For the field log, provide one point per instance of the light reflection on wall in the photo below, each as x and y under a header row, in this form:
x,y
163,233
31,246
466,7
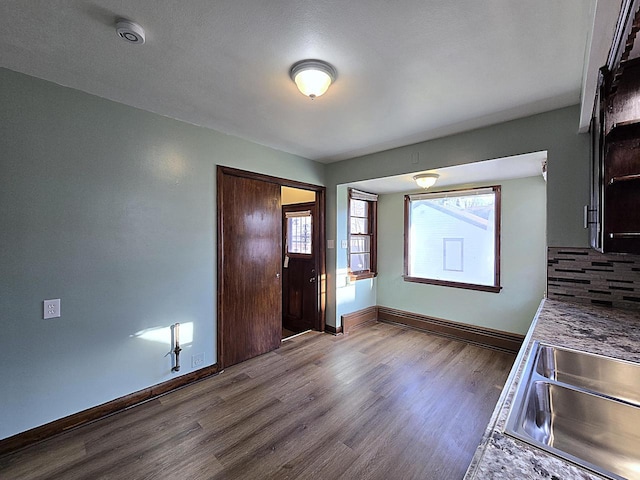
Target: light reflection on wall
x,y
346,290
166,163
164,334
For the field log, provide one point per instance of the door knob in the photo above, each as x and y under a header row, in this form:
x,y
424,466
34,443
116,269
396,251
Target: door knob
x,y
312,279
277,275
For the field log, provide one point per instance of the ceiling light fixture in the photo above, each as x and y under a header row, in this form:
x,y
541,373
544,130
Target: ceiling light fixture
x,y
313,77
426,180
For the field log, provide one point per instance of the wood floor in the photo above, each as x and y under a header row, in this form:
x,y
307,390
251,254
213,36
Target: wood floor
x,y
384,402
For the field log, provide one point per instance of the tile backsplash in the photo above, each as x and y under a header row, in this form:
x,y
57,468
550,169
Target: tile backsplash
x,y
583,275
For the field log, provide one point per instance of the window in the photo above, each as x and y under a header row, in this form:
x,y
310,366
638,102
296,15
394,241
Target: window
x,y
453,238
362,234
299,232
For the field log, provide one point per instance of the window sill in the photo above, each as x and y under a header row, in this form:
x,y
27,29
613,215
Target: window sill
x,y
445,283
362,276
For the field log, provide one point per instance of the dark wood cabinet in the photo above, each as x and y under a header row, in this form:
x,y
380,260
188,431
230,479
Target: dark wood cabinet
x,y
622,188
614,214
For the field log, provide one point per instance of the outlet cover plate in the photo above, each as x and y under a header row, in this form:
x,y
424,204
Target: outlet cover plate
x,y
51,308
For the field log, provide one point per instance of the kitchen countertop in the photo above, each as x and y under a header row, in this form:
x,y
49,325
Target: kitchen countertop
x,y
605,331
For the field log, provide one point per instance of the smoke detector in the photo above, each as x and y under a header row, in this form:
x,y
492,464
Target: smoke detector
x,y
130,31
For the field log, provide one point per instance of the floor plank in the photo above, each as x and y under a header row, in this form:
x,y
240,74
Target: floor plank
x,y
382,402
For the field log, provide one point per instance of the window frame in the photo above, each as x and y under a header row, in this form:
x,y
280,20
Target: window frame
x,y
307,213
496,287
372,200
297,207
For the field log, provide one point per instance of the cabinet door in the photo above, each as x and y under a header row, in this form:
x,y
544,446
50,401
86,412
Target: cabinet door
x,y
621,174
595,217
622,194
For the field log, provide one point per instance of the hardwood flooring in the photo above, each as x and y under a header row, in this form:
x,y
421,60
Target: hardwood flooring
x,y
383,402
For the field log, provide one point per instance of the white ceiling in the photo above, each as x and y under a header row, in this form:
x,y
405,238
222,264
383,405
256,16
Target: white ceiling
x,y
496,170
408,70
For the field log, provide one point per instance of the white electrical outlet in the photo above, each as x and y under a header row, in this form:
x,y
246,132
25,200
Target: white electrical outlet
x,y
197,360
51,308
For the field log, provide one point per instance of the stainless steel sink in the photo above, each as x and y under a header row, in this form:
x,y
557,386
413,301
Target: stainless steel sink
x,y
598,374
565,405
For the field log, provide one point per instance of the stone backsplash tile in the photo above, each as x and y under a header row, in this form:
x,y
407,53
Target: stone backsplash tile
x,y
583,275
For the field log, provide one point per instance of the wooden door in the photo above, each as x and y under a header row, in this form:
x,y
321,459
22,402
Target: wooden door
x,y
299,278
249,263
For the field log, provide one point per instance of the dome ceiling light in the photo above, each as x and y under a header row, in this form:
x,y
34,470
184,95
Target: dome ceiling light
x,y
426,180
313,77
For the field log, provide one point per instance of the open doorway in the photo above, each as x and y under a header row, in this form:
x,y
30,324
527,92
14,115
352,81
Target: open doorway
x,y
299,261
250,262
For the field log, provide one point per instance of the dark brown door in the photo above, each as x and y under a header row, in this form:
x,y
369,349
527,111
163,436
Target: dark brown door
x,y
249,259
299,285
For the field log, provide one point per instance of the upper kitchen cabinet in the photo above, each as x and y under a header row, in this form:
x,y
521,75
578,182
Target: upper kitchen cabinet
x,y
615,130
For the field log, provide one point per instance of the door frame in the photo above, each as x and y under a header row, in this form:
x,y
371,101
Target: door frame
x,y
318,245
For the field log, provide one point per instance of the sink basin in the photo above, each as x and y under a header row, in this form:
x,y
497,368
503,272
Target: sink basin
x,y
594,431
565,405
596,373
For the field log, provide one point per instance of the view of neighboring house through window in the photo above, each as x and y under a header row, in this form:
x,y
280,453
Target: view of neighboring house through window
x,y
453,238
362,234
299,232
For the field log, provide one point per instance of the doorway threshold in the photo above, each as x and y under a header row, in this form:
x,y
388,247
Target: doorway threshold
x,y
295,335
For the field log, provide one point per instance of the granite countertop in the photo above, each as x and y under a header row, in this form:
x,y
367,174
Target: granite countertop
x,y
605,331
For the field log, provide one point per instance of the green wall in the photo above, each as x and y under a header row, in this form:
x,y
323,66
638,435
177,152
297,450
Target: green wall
x,y
567,187
351,296
523,263
112,210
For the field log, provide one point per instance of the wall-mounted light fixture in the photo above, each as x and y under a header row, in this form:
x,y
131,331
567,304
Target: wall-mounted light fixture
x,y
313,77
426,180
